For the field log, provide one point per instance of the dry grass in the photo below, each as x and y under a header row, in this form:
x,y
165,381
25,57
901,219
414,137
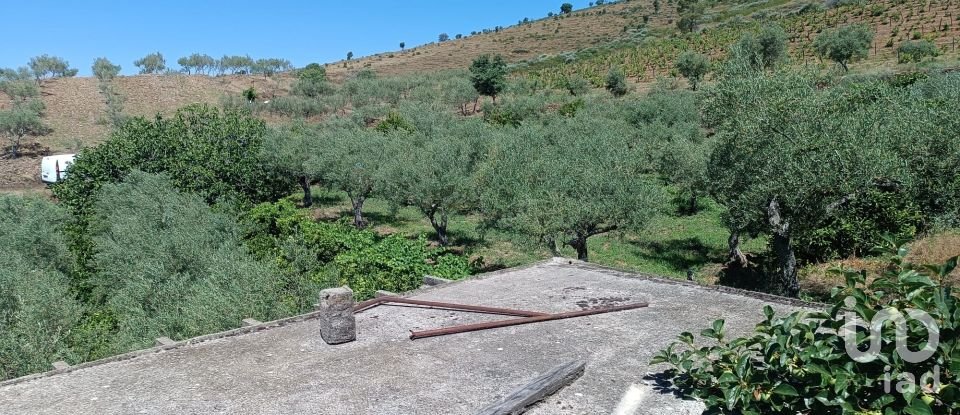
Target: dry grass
x,y
580,29
933,249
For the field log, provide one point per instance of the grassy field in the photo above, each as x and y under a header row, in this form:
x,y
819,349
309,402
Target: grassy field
x,y
669,246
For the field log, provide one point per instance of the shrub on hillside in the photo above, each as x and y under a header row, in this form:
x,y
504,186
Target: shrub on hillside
x,y
916,51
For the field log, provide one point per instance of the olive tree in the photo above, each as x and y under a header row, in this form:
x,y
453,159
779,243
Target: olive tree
x,y
566,8
350,160
105,70
288,149
565,181
18,84
44,66
616,82
763,50
151,64
693,66
844,45
22,120
788,155
489,75
434,173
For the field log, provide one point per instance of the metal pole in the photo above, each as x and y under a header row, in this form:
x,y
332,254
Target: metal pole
x,y
514,322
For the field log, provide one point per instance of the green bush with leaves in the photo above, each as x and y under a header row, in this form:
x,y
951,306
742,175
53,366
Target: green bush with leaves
x,y
37,309
213,153
802,362
916,51
332,254
170,265
844,45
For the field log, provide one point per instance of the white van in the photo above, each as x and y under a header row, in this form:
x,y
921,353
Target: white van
x,y
54,168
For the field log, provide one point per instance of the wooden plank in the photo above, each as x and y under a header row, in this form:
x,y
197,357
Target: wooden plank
x,y
544,385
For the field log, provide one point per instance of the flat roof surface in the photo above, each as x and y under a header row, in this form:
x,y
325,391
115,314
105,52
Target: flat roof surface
x,y
288,369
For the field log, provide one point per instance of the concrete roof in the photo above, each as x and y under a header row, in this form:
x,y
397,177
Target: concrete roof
x,y
285,367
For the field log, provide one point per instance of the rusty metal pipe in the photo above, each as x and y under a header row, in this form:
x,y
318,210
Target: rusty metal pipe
x,y
373,302
464,307
517,321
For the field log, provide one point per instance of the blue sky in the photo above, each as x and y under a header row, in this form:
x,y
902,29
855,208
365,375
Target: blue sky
x,y
300,31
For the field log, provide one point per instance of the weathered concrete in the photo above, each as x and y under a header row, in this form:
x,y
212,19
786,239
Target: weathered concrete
x,y
432,280
164,341
337,322
247,322
289,369
60,365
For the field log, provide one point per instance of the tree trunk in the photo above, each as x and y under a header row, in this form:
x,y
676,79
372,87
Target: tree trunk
x,y
736,256
552,245
580,244
440,226
307,195
358,212
784,251
693,203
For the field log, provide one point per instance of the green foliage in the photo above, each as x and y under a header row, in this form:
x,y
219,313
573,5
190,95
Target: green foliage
x,y
616,82
916,51
335,254
170,266
576,85
565,181
693,66
151,64
434,173
235,64
37,309
570,109
105,70
270,66
198,63
489,75
855,227
763,50
22,120
799,363
845,44
351,160
312,81
203,150
44,66
394,122
566,8
786,151
250,94
18,84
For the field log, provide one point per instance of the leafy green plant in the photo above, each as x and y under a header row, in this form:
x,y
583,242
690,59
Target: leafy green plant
x,y
802,362
916,51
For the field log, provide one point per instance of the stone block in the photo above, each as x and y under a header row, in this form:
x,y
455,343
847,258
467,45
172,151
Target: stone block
x,y
337,322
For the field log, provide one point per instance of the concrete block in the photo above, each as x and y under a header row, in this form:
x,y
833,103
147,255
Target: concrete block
x,y
60,365
337,322
247,322
434,280
164,341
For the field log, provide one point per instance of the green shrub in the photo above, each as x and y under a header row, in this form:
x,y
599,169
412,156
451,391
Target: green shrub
x,y
296,106
37,309
570,109
916,51
799,363
168,265
860,224
333,254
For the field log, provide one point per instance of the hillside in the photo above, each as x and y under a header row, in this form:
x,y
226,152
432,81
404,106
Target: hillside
x,y
629,34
